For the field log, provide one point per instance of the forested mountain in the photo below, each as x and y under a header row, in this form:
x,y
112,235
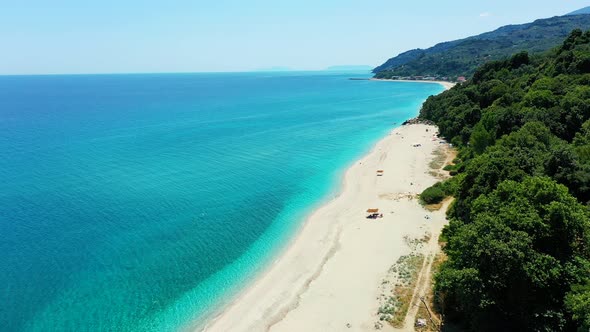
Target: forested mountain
x,y
462,57
518,241
585,10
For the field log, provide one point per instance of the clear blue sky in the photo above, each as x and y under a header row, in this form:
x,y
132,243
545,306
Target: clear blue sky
x,y
113,36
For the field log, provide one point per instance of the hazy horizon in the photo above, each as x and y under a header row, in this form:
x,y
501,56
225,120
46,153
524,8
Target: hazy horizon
x,y
67,37
261,70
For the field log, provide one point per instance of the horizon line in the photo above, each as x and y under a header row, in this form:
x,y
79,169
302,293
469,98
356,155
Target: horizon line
x,y
327,69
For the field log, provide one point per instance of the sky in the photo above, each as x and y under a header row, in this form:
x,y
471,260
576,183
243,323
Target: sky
x,y
132,36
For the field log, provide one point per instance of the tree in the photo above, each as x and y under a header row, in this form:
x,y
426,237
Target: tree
x,y
511,267
480,138
517,242
578,302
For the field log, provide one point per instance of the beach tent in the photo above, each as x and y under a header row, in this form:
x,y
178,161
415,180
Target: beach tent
x,y
374,214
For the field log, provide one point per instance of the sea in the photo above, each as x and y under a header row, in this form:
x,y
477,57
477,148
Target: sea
x,y
146,202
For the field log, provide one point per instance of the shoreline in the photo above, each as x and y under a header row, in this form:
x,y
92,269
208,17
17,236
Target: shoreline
x,y
447,85
284,288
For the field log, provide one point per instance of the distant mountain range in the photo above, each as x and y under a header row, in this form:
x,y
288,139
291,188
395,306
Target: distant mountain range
x,y
461,57
275,68
350,68
585,10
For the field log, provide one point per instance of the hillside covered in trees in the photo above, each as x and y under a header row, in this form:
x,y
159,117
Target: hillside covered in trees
x,y
462,57
585,10
518,240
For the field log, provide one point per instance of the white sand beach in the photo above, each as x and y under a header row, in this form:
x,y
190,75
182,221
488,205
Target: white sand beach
x,y
329,278
447,85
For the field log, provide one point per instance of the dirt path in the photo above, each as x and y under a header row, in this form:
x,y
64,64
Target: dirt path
x,y
424,278
431,250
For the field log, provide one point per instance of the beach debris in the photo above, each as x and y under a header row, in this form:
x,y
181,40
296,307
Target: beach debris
x,y
398,196
348,325
378,325
421,322
380,172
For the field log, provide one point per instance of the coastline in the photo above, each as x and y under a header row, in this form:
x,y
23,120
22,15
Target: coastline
x,y
445,84
316,283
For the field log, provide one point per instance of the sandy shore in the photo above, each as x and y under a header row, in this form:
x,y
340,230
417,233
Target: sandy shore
x,y
445,84
329,278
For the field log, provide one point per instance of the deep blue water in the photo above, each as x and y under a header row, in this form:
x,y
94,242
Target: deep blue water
x,y
140,202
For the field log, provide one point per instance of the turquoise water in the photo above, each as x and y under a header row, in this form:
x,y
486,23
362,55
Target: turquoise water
x,y
140,202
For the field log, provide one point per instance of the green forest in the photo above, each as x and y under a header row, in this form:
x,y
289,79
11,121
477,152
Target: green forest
x,y
518,239
462,57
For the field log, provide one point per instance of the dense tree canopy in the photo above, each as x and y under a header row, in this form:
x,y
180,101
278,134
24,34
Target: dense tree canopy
x,y
512,265
518,241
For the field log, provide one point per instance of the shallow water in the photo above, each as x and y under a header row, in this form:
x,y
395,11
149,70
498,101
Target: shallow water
x,y
140,202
